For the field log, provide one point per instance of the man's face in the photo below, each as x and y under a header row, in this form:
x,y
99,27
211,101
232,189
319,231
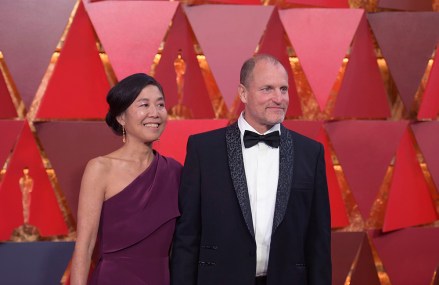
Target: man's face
x,y
266,96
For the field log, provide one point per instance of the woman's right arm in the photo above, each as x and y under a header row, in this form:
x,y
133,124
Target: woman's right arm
x,y
91,197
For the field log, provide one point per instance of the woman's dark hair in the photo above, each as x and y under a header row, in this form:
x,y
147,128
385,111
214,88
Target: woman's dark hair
x,y
123,94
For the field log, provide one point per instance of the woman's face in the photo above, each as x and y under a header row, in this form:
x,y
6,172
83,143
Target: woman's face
x,y
145,119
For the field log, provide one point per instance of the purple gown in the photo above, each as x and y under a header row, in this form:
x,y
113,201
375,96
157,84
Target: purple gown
x,y
136,228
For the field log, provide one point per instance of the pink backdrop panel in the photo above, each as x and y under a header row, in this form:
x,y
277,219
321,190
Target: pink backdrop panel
x,y
7,108
314,130
409,201
69,146
409,256
321,39
407,5
430,101
29,33
362,93
275,43
427,137
174,139
195,94
406,49
344,248
365,150
10,129
322,3
78,85
131,31
44,210
228,35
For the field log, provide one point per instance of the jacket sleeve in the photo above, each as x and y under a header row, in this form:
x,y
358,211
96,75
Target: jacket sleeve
x,y
185,249
318,244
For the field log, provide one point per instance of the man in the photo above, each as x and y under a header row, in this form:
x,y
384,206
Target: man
x,y
254,212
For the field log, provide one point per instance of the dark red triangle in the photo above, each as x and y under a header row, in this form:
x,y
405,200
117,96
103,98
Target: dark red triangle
x,y
174,139
430,100
427,137
7,108
405,49
69,146
228,35
409,256
362,93
321,39
365,272
344,247
322,3
409,201
275,43
79,85
407,5
29,33
314,130
195,94
365,150
131,31
45,212
10,129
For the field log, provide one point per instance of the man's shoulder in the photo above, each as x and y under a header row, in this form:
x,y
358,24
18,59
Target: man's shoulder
x,y
209,135
302,139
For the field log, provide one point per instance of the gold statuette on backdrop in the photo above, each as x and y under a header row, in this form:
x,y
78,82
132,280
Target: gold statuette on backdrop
x,y
180,111
26,232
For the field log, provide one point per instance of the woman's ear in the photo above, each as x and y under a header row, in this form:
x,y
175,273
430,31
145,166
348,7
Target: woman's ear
x,y
121,119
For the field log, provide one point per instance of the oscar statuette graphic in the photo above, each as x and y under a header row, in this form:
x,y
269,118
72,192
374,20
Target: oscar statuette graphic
x,y
180,111
26,232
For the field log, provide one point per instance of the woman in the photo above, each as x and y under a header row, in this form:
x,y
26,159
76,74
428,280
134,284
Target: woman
x,y
128,198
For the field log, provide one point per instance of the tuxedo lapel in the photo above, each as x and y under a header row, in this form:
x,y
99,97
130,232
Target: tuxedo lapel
x,y
237,172
286,159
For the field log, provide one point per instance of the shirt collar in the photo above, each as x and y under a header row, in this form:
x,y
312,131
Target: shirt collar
x,y
244,126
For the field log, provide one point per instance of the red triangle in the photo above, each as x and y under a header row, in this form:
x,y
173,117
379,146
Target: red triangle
x,y
131,31
174,139
404,48
321,39
409,201
427,137
365,150
275,43
7,108
314,130
362,93
44,212
10,130
409,256
364,272
430,100
195,94
321,3
407,5
63,144
344,247
228,35
29,33
79,85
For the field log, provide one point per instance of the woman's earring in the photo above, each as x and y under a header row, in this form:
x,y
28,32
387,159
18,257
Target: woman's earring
x,y
124,135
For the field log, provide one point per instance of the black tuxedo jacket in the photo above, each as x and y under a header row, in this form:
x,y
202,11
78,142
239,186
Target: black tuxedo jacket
x,y
214,241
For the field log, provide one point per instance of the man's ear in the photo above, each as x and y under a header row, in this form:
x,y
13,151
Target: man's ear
x,y
242,91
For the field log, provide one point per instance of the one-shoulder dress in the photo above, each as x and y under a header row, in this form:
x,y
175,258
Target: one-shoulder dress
x,y
136,228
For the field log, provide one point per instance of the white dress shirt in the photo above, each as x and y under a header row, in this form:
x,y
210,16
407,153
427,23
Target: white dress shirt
x,y
261,164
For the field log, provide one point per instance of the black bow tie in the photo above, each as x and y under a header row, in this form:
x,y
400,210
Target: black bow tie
x,y
252,138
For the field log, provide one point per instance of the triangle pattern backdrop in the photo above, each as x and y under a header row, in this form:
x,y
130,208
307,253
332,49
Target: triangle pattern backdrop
x,y
363,82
